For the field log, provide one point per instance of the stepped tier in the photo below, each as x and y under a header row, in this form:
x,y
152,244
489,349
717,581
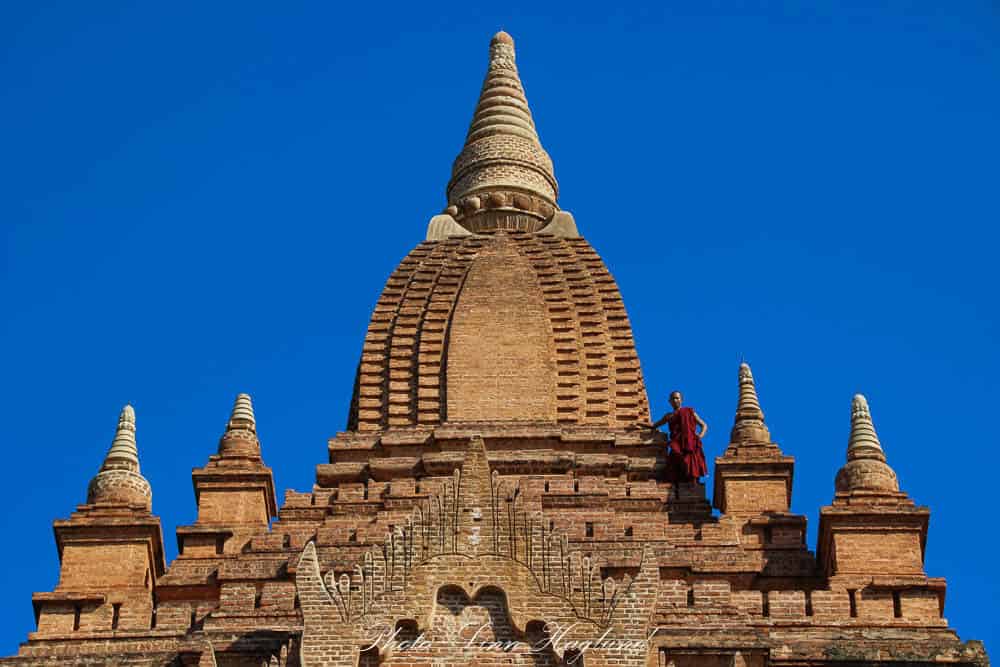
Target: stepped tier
x,y
492,501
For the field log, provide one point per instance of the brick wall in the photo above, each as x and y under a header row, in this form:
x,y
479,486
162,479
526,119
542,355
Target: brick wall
x,y
104,565
501,358
232,506
878,552
756,496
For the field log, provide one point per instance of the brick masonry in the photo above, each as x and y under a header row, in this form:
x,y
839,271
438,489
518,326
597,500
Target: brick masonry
x,y
497,527
492,501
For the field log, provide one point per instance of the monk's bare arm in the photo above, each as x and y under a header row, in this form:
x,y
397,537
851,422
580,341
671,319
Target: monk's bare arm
x,y
663,420
704,426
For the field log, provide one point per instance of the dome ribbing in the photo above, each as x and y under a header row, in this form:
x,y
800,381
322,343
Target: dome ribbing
x,y
502,178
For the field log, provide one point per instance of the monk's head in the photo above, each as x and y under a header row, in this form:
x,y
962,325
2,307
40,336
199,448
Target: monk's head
x,y
675,399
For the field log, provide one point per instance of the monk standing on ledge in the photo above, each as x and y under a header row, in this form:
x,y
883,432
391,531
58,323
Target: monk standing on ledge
x,y
686,457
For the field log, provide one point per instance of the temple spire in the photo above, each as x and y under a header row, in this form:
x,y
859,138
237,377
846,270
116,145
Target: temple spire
x,y
753,477
110,552
119,479
242,416
502,178
872,531
234,490
866,464
863,442
749,424
123,451
240,438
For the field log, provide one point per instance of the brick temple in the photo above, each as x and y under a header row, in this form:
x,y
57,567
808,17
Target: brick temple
x,y
494,498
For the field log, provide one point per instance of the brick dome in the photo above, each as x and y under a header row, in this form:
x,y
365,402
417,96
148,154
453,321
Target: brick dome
x,y
510,326
504,314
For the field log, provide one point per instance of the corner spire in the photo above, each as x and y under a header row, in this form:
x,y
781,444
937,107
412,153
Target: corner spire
x,y
866,465
749,424
123,451
502,178
872,530
240,438
753,476
242,416
863,442
119,479
234,490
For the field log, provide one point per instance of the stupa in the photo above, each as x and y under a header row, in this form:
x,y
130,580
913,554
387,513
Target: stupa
x,y
494,499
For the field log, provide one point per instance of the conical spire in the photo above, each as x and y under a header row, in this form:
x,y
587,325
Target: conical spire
x,y
242,417
235,488
866,466
863,442
748,406
503,178
749,424
746,476
119,479
240,438
123,452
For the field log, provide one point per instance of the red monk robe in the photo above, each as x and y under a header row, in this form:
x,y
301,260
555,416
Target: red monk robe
x,y
686,455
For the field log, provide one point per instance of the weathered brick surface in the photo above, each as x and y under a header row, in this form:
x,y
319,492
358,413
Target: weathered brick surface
x,y
491,495
756,495
873,551
501,362
557,329
239,506
103,566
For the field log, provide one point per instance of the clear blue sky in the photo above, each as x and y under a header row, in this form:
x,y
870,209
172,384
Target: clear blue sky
x,y
205,198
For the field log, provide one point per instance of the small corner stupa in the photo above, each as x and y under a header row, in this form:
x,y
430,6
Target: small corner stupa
x,y
110,551
873,533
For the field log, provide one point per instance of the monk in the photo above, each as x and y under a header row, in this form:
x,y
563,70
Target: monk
x,y
686,456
